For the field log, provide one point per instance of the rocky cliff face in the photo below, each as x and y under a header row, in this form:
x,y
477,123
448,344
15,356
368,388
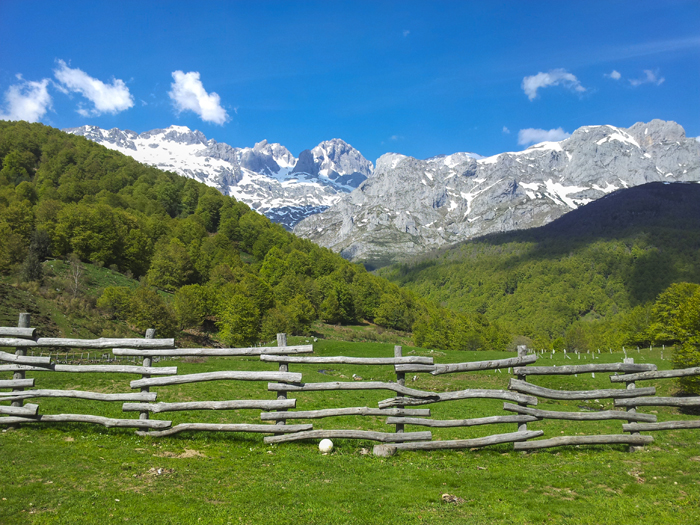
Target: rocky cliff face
x,y
267,176
410,206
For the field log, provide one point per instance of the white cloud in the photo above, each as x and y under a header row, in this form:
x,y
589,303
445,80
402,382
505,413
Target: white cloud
x,y
533,136
615,75
650,77
188,93
506,130
27,100
106,98
554,77
406,32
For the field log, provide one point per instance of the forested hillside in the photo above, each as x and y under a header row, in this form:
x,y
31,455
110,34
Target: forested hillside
x,y
200,257
590,279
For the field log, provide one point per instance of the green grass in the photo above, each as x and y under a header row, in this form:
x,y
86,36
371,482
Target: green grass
x,y
75,473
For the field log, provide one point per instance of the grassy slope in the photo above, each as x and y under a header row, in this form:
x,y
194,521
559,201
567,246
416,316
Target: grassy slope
x,y
75,473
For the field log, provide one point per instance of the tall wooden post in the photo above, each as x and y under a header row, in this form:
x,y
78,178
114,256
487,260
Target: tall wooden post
x,y
147,361
284,367
25,320
401,380
631,386
522,352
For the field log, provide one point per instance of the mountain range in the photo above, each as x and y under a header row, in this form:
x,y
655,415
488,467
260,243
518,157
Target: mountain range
x,y
267,176
412,206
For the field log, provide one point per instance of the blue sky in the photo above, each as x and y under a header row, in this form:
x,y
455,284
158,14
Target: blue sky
x,y
418,78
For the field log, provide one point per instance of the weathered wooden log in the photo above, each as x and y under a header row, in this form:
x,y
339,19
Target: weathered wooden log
x,y
24,359
582,369
413,368
450,423
84,418
579,416
343,360
349,385
217,376
663,425
213,427
101,343
610,439
15,383
216,352
384,437
352,411
495,439
20,333
259,404
90,369
693,401
27,410
78,394
483,365
657,374
460,394
548,393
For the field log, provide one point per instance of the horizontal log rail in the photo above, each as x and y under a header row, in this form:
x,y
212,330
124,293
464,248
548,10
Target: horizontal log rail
x,y
570,395
384,437
663,425
21,333
610,439
658,401
217,376
216,352
24,359
334,412
27,410
349,385
101,343
260,404
582,369
343,360
95,369
657,374
580,416
84,418
414,368
16,383
240,427
78,394
473,366
451,423
474,393
496,439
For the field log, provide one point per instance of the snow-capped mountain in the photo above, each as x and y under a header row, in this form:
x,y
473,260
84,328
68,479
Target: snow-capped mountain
x,y
410,206
267,176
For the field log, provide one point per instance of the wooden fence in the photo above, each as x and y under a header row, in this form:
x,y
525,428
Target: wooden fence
x,y
519,408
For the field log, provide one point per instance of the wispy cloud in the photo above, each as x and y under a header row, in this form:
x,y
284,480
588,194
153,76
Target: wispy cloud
x,y
615,75
27,100
554,77
396,137
188,94
650,77
533,136
406,32
106,98
506,130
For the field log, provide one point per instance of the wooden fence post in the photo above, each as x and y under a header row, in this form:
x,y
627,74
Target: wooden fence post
x,y
631,386
25,320
147,361
401,380
284,367
522,352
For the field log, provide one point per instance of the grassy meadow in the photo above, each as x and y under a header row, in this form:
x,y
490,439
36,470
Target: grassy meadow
x,y
80,473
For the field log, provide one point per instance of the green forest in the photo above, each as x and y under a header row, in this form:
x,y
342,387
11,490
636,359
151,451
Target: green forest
x,y
201,259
